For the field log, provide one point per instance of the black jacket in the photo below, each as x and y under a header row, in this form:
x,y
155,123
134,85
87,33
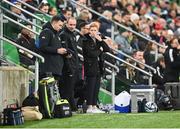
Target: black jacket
x,y
92,55
48,45
172,63
105,27
158,77
69,41
29,43
141,78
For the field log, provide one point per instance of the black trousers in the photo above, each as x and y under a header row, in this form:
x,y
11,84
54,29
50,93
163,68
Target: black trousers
x,y
67,85
92,89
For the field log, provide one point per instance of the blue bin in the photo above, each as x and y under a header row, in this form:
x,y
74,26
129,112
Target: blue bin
x,y
122,102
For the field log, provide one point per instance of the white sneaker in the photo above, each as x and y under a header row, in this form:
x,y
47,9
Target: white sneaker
x,y
96,110
89,110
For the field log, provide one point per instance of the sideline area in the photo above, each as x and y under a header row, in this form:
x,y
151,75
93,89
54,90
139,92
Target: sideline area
x,y
162,119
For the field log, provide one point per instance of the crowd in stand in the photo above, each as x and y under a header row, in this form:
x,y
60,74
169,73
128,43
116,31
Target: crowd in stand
x,y
70,26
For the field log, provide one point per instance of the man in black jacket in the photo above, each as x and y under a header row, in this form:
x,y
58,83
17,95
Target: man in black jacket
x,y
71,62
51,48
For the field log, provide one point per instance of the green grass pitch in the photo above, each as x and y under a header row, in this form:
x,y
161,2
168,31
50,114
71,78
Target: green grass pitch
x,y
162,119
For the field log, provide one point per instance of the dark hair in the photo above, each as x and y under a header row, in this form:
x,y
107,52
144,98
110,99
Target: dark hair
x,y
57,18
30,100
42,4
50,9
161,58
83,24
65,10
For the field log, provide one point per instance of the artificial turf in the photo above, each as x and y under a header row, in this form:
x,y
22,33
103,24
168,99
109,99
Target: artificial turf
x,y
163,119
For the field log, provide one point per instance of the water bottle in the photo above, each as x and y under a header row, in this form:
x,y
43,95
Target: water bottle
x,y
80,109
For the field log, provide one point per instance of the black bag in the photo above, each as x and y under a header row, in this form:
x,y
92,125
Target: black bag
x,y
13,116
141,105
163,101
62,109
1,118
48,96
30,100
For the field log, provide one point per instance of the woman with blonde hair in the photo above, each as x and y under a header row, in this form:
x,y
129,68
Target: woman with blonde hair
x,y
93,46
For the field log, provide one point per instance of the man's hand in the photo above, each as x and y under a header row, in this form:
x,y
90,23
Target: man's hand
x,y
61,51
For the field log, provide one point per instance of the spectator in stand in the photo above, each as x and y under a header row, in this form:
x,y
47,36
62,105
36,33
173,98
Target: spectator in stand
x,y
26,39
125,19
12,30
111,44
158,77
33,3
117,16
110,5
52,11
169,35
141,78
92,51
145,30
135,22
17,11
140,43
79,8
172,61
71,62
177,22
157,33
83,17
149,53
105,27
139,55
67,12
62,4
123,43
44,7
177,33
96,5
130,8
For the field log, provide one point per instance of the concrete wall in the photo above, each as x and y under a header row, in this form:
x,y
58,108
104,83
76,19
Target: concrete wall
x,y
14,84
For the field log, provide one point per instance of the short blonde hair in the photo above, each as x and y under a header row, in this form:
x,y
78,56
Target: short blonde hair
x,y
94,24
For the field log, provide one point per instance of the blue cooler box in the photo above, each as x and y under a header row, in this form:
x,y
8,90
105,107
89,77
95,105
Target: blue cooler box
x,y
122,102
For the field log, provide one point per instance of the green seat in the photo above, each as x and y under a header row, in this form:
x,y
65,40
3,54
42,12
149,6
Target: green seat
x,y
11,52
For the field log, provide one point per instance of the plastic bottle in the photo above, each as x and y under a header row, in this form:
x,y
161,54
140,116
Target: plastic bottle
x,y
80,109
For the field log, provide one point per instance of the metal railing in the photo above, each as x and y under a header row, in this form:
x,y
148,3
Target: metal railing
x,y
33,8
17,23
137,61
6,10
135,67
23,10
118,24
32,53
